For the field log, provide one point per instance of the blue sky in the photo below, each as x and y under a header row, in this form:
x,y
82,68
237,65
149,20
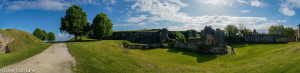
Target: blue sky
x,y
147,14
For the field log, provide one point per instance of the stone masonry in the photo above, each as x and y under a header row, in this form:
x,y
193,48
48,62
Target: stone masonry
x,y
4,40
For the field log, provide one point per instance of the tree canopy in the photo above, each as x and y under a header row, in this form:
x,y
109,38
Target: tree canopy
x,y
51,36
74,22
243,30
102,26
276,29
44,35
289,31
38,33
231,31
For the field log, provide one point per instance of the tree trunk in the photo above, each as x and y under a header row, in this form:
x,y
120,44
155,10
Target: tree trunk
x,y
75,37
81,36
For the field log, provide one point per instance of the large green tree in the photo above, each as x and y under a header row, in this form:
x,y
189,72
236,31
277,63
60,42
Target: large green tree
x,y
231,31
44,35
289,31
102,26
276,29
74,22
51,36
38,33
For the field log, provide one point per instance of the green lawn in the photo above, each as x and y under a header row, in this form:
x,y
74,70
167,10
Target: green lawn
x,y
24,46
95,56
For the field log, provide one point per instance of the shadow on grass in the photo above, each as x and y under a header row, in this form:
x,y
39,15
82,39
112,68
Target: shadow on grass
x,y
200,57
239,45
83,40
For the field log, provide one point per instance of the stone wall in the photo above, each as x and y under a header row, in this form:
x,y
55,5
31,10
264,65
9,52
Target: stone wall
x,y
4,40
191,44
266,38
298,33
141,46
136,37
199,46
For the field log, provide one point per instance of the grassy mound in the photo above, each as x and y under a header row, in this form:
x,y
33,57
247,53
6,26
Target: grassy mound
x,y
108,56
24,46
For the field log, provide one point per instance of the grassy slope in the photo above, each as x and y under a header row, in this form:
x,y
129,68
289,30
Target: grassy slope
x,y
24,46
108,56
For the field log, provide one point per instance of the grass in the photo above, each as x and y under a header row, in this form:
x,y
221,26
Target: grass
x,y
24,46
128,42
109,56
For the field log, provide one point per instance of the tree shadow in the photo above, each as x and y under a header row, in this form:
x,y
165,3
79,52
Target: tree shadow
x,y
200,57
239,45
83,40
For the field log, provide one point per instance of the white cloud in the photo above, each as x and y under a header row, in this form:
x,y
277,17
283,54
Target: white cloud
x,y
287,7
141,24
136,19
63,37
109,9
54,5
257,3
281,20
223,2
109,2
170,11
245,11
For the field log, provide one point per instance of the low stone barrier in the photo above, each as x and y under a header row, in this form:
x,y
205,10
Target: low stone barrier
x,y
141,46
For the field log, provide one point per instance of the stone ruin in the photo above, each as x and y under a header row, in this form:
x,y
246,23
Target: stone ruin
x,y
267,38
298,33
164,35
4,40
212,42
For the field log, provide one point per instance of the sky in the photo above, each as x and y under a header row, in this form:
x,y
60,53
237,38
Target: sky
x,y
175,15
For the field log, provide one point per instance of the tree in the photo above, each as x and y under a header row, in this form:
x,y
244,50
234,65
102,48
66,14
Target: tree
x,y
190,34
289,31
102,26
231,31
276,29
254,31
51,36
38,33
243,30
44,35
74,22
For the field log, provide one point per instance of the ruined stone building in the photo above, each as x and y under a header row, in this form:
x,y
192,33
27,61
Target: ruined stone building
x,y
298,33
210,38
213,37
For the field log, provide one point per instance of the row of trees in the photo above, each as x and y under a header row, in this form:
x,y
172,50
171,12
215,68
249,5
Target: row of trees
x,y
233,32
43,35
280,29
75,23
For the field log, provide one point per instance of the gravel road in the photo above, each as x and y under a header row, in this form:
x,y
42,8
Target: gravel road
x,y
55,59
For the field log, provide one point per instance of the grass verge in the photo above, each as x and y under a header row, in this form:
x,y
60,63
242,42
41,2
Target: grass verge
x,y
24,46
109,56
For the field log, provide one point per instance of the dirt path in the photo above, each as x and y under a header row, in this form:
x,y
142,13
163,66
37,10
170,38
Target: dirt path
x,y
55,59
